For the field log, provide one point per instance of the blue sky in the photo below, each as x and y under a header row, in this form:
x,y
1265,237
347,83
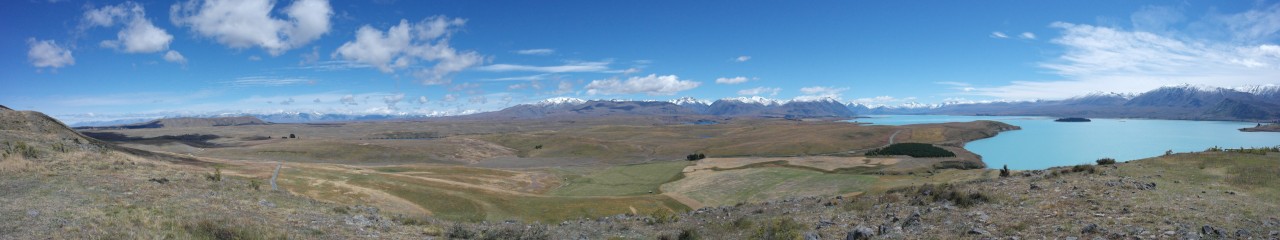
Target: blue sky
x,y
95,60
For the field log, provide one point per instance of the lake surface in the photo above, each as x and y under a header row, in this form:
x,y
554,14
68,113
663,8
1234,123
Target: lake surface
x,y
1043,143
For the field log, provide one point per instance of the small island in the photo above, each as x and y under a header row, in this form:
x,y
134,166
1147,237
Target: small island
x,y
1273,127
1073,119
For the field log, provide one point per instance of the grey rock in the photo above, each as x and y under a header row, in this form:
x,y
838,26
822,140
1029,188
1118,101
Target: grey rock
x,y
812,236
859,232
266,203
1212,231
978,231
1072,238
1242,233
33,213
1034,187
1091,229
912,221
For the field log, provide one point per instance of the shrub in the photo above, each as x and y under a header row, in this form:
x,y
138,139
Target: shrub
x,y
292,136
929,193
206,229
255,184
1084,168
458,231
688,234
1106,161
663,216
216,176
1004,172
695,157
784,228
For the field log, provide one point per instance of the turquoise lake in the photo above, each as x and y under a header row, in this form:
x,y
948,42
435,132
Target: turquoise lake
x,y
1043,143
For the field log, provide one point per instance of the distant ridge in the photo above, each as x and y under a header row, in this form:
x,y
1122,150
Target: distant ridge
x,y
685,106
1181,102
2,107
187,122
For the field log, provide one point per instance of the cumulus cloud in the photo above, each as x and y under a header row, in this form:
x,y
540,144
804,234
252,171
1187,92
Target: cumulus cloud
x,y
820,93
48,54
650,85
742,58
1027,35
422,100
139,34
536,51
449,98
732,80
601,66
249,23
999,35
759,91
405,45
175,57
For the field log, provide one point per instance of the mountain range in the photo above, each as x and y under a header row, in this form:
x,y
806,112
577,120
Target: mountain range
x,y
1184,102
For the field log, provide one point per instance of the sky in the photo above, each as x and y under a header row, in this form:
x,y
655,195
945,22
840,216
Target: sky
x,y
101,60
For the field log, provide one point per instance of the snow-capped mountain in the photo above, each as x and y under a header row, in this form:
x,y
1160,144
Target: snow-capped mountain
x,y
756,100
560,101
699,106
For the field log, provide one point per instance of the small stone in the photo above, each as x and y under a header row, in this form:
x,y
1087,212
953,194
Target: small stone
x,y
1072,238
1091,228
1170,233
266,203
1242,233
33,213
858,233
913,220
979,231
811,236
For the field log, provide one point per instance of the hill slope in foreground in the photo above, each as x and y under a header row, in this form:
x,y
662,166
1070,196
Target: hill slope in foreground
x,y
59,184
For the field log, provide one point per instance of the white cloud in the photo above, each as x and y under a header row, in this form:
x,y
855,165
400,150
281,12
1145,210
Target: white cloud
x,y
348,100
522,78
1027,35
733,80
266,81
478,100
630,71
392,100
422,100
742,58
139,34
820,92
536,51
175,57
404,45
47,53
650,85
760,91
999,35
1112,59
601,66
249,23
563,88
449,98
